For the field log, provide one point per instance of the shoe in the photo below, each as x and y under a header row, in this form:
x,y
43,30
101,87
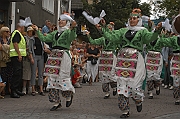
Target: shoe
x,y
24,91
165,87
106,97
1,97
42,93
33,93
150,97
177,102
56,107
68,103
14,95
19,93
125,115
114,92
162,84
158,90
171,88
139,107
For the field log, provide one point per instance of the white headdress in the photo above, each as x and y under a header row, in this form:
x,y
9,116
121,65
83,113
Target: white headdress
x,y
95,20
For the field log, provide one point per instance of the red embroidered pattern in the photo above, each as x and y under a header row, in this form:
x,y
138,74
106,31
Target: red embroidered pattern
x,y
152,61
176,65
175,72
58,54
126,64
53,62
150,67
107,55
106,61
153,55
105,68
125,73
52,70
176,58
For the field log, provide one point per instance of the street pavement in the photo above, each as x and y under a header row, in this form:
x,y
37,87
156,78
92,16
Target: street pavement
x,y
88,103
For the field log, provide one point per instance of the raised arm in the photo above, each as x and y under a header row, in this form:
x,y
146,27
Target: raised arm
x,y
47,38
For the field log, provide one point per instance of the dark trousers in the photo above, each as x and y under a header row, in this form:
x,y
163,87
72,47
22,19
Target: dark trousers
x,y
17,74
167,79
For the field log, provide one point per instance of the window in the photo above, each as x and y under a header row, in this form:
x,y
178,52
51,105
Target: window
x,y
32,1
48,5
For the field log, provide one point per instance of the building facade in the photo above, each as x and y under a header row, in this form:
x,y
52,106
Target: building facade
x,y
38,10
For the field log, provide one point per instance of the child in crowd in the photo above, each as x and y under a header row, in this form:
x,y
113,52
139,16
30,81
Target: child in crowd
x,y
76,77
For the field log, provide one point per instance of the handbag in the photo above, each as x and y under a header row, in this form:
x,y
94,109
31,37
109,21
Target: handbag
x,y
94,61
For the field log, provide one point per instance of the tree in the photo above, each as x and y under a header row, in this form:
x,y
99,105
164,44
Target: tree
x,y
169,7
117,11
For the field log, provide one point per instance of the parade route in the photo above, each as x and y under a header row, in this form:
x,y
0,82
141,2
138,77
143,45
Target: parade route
x,y
88,103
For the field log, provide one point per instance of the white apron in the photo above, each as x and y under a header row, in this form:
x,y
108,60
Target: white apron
x,y
58,70
131,72
154,65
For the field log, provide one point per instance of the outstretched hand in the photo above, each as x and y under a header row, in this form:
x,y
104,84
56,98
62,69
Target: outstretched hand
x,y
159,26
73,24
35,27
98,26
103,22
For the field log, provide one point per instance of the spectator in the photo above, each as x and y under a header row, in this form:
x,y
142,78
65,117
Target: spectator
x,y
76,77
4,56
93,54
47,27
72,14
36,50
17,52
26,62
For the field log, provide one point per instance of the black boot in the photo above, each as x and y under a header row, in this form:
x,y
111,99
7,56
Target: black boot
x,y
139,107
56,107
158,91
125,115
68,103
114,92
14,95
19,93
106,97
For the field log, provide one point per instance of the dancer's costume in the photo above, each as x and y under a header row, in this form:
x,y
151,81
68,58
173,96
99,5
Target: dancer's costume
x,y
130,66
174,43
154,65
107,64
58,65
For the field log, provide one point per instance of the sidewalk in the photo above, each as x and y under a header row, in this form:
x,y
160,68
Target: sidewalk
x,y
88,103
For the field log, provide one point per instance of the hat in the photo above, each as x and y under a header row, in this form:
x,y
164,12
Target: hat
x,y
30,29
65,17
136,12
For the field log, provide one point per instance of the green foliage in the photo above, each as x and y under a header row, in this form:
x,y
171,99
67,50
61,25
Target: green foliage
x,y
170,7
117,11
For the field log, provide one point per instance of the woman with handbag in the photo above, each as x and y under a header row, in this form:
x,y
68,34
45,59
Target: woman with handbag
x,y
93,54
5,64
106,61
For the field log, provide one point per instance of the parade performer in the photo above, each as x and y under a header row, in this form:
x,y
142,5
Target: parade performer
x,y
107,61
174,43
154,65
58,65
130,66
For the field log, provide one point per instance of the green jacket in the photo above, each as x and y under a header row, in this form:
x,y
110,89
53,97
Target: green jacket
x,y
64,40
142,37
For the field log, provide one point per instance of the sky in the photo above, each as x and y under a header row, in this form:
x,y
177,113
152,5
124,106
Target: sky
x,y
143,0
